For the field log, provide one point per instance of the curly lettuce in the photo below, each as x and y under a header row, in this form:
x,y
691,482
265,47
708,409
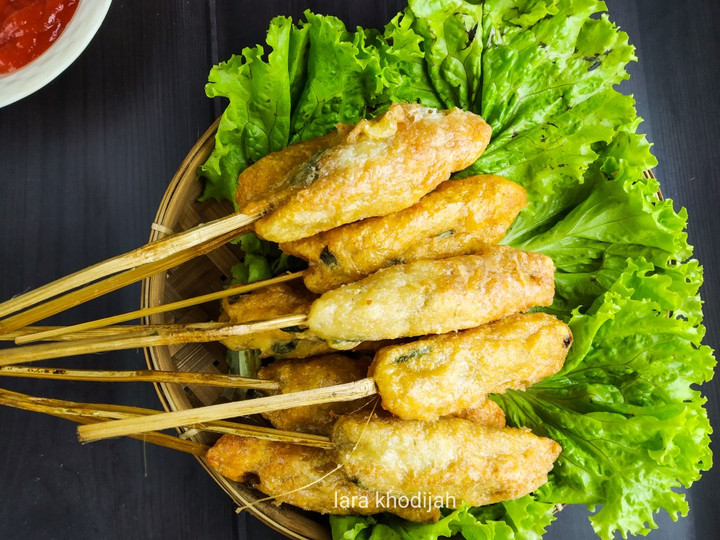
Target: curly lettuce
x,y
543,73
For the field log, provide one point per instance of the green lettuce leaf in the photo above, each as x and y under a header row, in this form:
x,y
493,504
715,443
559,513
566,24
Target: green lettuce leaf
x,y
551,160
620,218
452,45
257,119
544,57
343,80
521,519
542,73
548,72
316,75
262,260
403,63
631,426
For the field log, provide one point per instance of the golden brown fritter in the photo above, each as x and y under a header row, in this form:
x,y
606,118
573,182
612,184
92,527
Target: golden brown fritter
x,y
512,353
487,413
267,303
293,342
261,186
297,375
458,218
434,297
450,457
381,166
305,477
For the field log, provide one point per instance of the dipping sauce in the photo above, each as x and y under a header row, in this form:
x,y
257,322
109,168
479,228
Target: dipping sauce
x,y
29,27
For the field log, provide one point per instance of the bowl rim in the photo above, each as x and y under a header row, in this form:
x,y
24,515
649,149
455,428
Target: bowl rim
x,y
30,78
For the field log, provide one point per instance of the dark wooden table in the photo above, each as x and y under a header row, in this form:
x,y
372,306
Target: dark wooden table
x,y
85,161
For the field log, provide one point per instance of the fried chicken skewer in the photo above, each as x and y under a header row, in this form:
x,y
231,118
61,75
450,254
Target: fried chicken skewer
x,y
403,155
295,375
513,353
309,478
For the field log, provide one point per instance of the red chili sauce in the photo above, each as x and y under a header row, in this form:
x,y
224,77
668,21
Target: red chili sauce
x,y
29,27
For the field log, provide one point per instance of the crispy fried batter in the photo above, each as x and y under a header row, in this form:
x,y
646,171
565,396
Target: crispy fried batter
x,y
487,413
458,218
381,166
267,303
451,457
298,375
435,297
515,353
259,187
302,476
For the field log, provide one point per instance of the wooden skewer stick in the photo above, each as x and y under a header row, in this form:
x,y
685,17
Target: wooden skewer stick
x,y
329,394
111,331
130,267
270,434
90,413
141,375
146,312
154,337
73,411
86,334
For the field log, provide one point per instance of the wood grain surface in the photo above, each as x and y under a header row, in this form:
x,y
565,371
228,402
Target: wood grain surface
x,y
85,161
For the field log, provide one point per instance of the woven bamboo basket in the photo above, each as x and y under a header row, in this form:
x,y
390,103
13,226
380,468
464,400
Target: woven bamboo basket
x,y
181,210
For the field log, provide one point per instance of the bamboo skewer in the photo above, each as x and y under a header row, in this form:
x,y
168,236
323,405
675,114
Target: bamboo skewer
x,y
259,432
130,267
91,291
97,414
85,334
142,375
329,394
80,413
146,312
153,337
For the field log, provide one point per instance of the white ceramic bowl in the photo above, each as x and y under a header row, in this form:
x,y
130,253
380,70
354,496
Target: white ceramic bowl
x,y
68,46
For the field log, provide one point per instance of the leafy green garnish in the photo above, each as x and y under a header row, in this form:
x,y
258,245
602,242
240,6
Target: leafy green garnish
x,y
262,260
631,427
521,519
542,73
244,363
327,257
416,353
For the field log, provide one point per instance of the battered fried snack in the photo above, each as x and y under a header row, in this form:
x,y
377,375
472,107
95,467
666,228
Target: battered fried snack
x,y
297,375
270,302
434,297
458,218
512,353
451,457
487,413
305,477
292,342
383,165
258,187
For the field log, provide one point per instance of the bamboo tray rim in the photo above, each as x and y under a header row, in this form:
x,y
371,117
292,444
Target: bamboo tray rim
x,y
187,171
